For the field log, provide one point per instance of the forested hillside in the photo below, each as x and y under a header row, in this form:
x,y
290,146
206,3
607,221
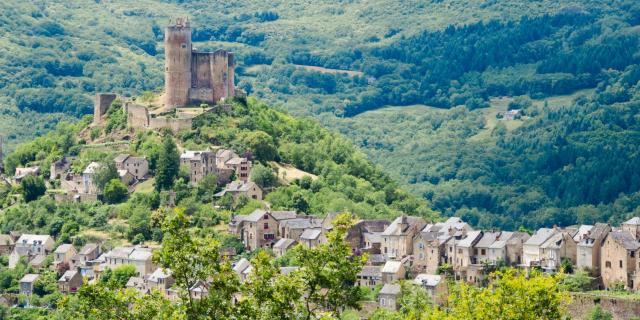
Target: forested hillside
x,y
569,161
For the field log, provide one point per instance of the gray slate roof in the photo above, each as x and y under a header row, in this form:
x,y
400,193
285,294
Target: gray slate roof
x,y
625,239
540,236
370,271
284,243
633,221
310,234
391,289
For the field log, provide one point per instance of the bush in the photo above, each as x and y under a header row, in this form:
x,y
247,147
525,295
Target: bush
x,y
115,191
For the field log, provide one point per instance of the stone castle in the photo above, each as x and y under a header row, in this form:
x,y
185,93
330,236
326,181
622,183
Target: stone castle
x,y
193,77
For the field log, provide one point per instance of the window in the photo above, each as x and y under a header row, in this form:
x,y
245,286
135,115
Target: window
x,y
632,254
183,46
620,263
269,236
422,256
266,217
483,252
266,225
607,264
382,302
459,251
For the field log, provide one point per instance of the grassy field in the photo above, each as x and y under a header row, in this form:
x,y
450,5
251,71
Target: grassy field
x,y
145,187
288,173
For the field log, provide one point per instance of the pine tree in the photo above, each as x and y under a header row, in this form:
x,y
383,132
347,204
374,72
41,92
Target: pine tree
x,y
168,164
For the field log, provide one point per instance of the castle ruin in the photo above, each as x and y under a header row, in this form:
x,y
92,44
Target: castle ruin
x,y
193,77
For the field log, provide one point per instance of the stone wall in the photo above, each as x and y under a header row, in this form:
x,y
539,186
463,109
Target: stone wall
x,y
582,304
101,103
174,124
137,115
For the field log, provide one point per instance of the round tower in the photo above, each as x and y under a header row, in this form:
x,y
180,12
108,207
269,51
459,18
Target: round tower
x,y
177,63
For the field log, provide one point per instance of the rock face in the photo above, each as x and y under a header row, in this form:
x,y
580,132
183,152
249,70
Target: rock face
x,y
193,77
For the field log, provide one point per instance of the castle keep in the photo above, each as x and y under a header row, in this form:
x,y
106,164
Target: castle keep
x,y
193,77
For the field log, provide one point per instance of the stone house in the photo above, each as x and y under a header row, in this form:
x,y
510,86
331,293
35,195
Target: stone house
x,y
30,246
59,168
557,248
241,188
588,248
293,228
70,281
240,267
508,248
481,248
6,244
461,253
242,167
26,283
531,248
428,245
435,285
393,271
370,276
126,177
397,238
366,235
89,252
311,237
139,257
259,230
282,246
63,254
199,289
632,226
160,280
85,260
200,164
619,260
389,295
87,178
137,166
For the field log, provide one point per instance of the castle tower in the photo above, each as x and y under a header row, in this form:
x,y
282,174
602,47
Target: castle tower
x,y
177,64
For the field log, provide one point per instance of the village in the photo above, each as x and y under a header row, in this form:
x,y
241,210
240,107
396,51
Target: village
x,y
428,254
408,248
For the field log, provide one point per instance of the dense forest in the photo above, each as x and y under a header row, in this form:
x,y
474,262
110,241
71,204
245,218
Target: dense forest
x,y
567,163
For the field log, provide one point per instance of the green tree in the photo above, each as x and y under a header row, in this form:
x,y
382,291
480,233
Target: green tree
x,y
194,260
115,191
32,187
329,272
269,294
99,302
597,313
207,187
168,164
106,173
117,277
261,145
263,176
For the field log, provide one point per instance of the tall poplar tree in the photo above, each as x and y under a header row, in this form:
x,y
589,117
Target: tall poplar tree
x,y
168,164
